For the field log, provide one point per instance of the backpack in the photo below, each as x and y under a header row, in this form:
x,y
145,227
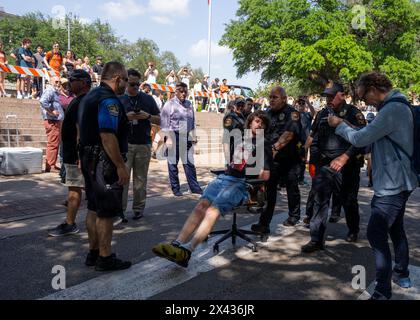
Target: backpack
x,y
415,158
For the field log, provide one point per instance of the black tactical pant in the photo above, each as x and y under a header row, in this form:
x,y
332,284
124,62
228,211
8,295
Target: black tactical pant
x,y
103,192
346,183
289,173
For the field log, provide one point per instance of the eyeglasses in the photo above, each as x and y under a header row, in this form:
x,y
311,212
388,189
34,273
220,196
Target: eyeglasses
x,y
56,46
134,84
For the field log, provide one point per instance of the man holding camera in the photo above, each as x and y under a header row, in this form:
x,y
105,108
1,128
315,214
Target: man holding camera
x,y
142,112
151,73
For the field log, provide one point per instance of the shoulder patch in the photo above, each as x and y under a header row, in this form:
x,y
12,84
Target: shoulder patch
x,y
295,116
113,110
361,118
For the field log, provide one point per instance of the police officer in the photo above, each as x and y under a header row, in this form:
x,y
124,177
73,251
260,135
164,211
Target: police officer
x,y
337,168
284,135
103,143
233,124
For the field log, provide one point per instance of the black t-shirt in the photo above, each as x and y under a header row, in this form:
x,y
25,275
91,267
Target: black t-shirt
x,y
287,119
69,132
261,159
102,111
139,130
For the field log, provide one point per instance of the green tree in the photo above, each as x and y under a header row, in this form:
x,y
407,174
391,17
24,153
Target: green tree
x,y
316,41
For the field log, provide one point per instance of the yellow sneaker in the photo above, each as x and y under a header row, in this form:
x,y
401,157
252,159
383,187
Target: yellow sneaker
x,y
179,255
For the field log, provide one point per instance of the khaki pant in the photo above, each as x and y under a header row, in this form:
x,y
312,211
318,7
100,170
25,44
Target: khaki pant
x,y
138,160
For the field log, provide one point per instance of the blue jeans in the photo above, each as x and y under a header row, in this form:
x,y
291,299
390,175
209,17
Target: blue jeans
x,y
226,192
387,217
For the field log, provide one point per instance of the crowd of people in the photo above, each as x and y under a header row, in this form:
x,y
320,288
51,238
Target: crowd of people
x,y
109,132
29,87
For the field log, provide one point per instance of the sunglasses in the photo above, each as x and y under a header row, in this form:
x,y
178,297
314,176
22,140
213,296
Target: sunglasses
x,y
134,84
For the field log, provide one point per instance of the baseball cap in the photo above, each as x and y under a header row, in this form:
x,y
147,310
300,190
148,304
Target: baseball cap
x,y
332,88
80,74
64,80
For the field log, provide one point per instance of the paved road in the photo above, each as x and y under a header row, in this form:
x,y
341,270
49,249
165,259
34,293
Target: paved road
x,y
277,271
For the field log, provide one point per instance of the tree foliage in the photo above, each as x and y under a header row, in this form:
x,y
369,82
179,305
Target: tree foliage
x,y
320,40
88,39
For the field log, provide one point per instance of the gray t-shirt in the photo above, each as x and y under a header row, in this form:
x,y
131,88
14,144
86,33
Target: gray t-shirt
x,y
39,60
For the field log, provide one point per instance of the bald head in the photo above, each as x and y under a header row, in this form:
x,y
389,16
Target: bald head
x,y
278,98
115,75
280,90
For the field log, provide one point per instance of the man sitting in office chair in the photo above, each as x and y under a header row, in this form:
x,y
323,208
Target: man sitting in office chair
x,y
252,159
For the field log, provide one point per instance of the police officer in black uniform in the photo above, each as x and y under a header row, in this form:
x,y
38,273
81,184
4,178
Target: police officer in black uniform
x,y
337,168
103,128
284,135
233,124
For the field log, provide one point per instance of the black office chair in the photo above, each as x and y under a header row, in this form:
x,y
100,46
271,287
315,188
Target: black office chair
x,y
255,205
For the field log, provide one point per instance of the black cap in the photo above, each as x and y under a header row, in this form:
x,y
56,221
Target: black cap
x,y
239,101
332,88
80,74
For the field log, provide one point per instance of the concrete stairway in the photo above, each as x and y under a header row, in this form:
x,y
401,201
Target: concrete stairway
x,y
32,134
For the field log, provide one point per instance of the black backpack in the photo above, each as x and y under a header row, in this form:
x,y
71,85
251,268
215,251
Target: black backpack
x,y
415,158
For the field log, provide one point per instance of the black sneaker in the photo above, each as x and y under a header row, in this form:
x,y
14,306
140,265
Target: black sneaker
x,y
178,194
177,254
111,263
123,218
138,215
91,258
352,237
200,192
260,228
290,222
64,229
334,219
312,247
307,220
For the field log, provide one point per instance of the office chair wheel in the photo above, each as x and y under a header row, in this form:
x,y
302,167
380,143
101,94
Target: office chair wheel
x,y
216,249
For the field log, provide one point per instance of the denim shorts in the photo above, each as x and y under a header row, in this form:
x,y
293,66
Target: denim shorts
x,y
226,192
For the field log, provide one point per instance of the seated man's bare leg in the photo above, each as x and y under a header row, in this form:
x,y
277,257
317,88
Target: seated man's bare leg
x,y
193,221
206,226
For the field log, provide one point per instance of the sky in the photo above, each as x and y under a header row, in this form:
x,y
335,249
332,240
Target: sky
x,y
180,26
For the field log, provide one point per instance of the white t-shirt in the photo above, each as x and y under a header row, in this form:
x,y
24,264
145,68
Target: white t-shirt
x,y
151,78
198,87
186,79
158,102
